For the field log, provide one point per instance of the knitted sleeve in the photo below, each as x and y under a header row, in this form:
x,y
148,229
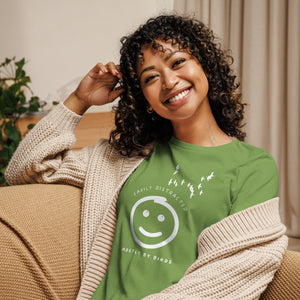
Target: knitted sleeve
x,y
44,156
238,257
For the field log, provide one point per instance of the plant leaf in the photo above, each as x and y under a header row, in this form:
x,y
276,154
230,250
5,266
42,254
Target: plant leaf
x,y
22,110
21,97
12,133
30,126
7,61
14,88
34,104
9,99
20,64
25,80
20,73
6,154
2,178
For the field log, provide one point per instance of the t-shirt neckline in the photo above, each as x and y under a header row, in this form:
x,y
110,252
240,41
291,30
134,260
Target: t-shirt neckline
x,y
188,146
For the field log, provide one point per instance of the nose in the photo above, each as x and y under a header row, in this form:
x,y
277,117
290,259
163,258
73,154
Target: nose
x,y
170,79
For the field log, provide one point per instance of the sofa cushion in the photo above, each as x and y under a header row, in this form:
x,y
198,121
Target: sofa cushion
x,y
39,241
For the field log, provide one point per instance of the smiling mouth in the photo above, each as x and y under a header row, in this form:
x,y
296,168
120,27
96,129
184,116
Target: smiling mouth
x,y
149,234
178,97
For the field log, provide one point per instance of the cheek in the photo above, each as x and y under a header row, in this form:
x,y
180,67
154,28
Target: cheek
x,y
151,93
198,73
200,78
204,83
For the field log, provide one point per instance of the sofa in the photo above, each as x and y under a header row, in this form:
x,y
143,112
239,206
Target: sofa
x,y
39,246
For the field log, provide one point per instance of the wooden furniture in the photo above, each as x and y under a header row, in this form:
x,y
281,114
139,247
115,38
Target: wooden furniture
x,y
92,127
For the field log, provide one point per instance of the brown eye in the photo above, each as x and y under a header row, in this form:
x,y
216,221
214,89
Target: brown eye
x,y
178,62
149,78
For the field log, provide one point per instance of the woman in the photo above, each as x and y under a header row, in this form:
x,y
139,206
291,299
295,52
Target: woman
x,y
175,205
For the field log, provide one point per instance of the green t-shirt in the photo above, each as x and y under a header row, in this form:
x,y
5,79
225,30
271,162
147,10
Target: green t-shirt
x,y
167,202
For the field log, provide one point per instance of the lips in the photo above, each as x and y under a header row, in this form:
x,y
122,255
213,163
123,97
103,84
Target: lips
x,y
178,95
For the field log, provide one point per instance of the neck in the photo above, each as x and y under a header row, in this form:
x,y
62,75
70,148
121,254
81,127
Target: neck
x,y
201,129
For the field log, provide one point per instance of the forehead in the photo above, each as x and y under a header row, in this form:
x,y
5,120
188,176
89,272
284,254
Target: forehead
x,y
160,48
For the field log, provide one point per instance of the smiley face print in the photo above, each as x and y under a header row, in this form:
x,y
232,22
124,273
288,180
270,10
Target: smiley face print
x,y
153,222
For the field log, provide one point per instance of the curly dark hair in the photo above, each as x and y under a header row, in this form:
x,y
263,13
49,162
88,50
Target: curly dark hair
x,y
135,129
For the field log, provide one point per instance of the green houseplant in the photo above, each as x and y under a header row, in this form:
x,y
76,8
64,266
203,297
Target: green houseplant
x,y
13,104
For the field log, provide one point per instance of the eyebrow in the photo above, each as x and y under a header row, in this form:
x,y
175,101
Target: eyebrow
x,y
165,59
147,69
171,54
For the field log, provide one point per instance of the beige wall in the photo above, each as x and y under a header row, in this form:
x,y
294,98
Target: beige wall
x,y
63,39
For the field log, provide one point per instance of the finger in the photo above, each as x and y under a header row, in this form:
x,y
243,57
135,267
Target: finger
x,y
98,70
103,68
119,71
113,69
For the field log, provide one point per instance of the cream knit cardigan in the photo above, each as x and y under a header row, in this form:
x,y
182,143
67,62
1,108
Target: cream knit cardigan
x,y
238,256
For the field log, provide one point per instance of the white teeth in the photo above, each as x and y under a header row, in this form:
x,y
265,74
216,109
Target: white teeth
x,y
178,97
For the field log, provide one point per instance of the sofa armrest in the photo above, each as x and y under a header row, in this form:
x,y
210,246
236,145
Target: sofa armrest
x,y
286,282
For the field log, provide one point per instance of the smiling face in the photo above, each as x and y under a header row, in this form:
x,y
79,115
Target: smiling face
x,y
153,222
172,81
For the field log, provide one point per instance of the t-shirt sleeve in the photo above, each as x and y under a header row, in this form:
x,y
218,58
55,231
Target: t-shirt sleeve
x,y
257,181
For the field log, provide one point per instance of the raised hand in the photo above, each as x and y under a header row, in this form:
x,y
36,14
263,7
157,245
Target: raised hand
x,y
98,87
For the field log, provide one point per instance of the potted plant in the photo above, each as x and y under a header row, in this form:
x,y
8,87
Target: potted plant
x,y
13,104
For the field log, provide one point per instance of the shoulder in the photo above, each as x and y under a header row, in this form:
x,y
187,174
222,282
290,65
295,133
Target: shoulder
x,y
256,163
251,151
257,177
249,155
